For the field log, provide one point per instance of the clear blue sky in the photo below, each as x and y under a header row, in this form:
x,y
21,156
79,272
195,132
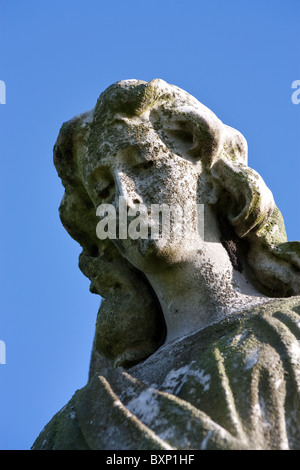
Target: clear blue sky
x,y
237,57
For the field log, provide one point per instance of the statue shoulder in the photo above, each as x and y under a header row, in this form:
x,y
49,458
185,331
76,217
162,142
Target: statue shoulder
x,y
232,385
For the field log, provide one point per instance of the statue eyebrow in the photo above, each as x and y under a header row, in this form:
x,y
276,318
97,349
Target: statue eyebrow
x,y
119,119
124,119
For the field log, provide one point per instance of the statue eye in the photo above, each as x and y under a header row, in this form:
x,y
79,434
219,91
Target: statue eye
x,y
148,164
185,137
104,193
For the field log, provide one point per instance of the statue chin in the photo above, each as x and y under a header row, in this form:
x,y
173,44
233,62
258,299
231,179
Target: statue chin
x,y
197,339
151,256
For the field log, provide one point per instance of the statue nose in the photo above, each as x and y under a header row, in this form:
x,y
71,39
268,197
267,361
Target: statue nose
x,y
126,189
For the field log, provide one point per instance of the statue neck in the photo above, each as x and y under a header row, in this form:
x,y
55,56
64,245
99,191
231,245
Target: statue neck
x,y
201,291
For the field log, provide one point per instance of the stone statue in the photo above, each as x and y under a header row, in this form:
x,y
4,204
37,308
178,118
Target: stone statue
x,y
196,344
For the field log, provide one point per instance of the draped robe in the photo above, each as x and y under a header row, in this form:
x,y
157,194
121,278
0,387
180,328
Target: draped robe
x,y
232,385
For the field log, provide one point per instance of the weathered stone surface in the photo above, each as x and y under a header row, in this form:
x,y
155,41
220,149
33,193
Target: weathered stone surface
x,y
233,385
197,339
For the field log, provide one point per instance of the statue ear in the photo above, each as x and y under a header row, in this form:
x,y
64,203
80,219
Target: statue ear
x,y
246,200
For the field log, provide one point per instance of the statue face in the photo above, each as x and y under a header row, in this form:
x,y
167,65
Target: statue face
x,y
146,167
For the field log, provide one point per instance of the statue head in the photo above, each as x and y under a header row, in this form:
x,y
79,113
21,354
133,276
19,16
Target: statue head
x,y
152,144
